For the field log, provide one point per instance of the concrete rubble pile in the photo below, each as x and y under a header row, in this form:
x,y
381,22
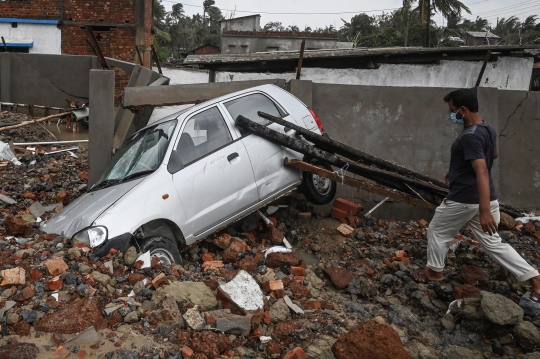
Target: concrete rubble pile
x,y
342,292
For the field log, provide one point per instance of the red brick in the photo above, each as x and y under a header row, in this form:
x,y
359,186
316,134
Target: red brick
x,y
342,208
296,353
297,271
187,352
312,304
207,257
55,284
272,285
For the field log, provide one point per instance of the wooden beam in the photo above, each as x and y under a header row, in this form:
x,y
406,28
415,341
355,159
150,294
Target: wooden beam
x,y
139,55
156,59
186,94
5,46
96,48
357,183
300,60
479,80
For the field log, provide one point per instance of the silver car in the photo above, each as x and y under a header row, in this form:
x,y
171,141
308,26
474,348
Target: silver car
x,y
186,176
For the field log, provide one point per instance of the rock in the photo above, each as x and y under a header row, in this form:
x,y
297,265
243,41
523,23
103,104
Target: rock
x,y
500,310
234,324
133,278
13,276
321,347
55,266
187,352
130,256
62,197
465,291
19,351
473,275
418,350
13,319
455,352
280,311
274,348
17,227
312,279
242,292
370,340
194,319
131,317
168,315
507,223
298,290
363,287
28,218
527,336
275,236
339,277
223,241
209,343
84,269
277,259
101,278
73,317
296,353
188,293
37,210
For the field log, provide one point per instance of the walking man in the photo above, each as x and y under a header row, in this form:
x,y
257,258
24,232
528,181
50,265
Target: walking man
x,y
472,199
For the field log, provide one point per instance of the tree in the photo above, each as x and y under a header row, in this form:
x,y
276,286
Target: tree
x,y
274,26
447,8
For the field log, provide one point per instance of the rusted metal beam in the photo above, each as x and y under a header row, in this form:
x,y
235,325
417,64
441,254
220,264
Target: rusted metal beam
x,y
300,60
351,153
431,193
95,45
156,59
357,183
479,80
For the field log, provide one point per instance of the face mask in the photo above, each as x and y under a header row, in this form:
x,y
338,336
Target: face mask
x,y
454,118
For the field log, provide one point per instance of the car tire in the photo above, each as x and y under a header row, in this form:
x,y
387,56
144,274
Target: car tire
x,y
163,248
318,190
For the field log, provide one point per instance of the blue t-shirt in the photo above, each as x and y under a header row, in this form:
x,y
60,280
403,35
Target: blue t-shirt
x,y
478,141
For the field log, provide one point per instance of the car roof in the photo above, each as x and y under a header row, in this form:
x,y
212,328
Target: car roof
x,y
186,112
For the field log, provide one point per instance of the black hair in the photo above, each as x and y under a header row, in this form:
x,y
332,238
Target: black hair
x,y
463,97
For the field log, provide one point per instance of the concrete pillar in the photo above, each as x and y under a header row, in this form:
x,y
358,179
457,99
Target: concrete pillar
x,y
5,77
212,76
101,130
303,90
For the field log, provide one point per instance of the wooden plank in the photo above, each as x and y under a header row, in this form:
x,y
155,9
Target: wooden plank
x,y
479,80
156,59
300,60
357,183
186,94
96,48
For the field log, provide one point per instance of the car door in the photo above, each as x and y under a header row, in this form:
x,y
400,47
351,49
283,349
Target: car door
x,y
267,158
216,180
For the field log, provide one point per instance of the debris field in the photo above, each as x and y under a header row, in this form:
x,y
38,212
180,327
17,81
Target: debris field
x,y
342,291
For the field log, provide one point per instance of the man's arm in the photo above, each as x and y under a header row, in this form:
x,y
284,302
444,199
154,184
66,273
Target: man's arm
x,y
482,181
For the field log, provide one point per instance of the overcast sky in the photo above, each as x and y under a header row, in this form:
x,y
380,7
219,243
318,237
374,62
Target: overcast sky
x,y
303,10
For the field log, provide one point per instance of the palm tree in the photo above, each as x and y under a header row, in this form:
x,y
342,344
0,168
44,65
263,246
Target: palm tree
x,y
177,12
447,8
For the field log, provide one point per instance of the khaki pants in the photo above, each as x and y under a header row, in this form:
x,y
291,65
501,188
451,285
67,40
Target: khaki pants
x,y
450,217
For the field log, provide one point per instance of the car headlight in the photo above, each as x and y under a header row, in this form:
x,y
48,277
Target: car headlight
x,y
92,237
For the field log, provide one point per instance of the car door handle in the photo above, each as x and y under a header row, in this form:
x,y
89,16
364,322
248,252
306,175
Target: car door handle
x,y
232,156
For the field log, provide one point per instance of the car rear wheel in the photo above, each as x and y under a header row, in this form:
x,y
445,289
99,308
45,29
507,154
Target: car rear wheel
x,y
163,248
318,190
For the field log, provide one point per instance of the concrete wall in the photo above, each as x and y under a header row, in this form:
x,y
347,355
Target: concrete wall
x,y
519,128
244,23
47,38
508,73
239,44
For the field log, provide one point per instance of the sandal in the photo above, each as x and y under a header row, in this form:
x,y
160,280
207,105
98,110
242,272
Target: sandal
x,y
534,296
419,276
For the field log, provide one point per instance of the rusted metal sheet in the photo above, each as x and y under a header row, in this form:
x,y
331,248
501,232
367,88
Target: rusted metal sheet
x,y
357,183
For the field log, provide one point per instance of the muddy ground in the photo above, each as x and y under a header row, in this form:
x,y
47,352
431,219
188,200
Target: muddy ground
x,y
335,296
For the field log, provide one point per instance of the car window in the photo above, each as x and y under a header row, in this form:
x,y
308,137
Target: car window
x,y
248,106
204,133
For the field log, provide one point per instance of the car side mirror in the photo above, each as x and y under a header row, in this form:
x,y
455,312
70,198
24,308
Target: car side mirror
x,y
175,163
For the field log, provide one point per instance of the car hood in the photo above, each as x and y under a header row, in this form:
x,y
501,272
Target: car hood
x,y
86,209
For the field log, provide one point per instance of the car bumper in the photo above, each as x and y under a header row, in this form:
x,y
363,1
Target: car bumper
x,y
120,243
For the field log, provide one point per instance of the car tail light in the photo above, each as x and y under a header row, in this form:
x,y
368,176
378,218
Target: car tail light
x,y
317,119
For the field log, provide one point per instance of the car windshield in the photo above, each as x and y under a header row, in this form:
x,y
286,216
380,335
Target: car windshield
x,y
139,155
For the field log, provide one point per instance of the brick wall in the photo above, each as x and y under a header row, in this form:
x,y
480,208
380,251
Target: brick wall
x,y
34,9
105,11
148,38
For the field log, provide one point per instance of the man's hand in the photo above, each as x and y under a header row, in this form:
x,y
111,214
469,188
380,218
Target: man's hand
x,y
446,176
488,223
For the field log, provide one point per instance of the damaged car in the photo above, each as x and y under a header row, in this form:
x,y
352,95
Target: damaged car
x,y
188,175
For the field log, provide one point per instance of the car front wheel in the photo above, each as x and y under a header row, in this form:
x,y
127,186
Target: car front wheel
x,y
163,248
318,190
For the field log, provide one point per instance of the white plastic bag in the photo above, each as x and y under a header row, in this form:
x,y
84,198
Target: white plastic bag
x,y
6,154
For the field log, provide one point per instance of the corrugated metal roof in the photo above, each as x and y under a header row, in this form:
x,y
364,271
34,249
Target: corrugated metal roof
x,y
483,34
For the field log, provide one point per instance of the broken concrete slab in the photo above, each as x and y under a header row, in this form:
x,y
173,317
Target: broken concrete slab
x,y
194,319
55,266
188,293
244,292
13,276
